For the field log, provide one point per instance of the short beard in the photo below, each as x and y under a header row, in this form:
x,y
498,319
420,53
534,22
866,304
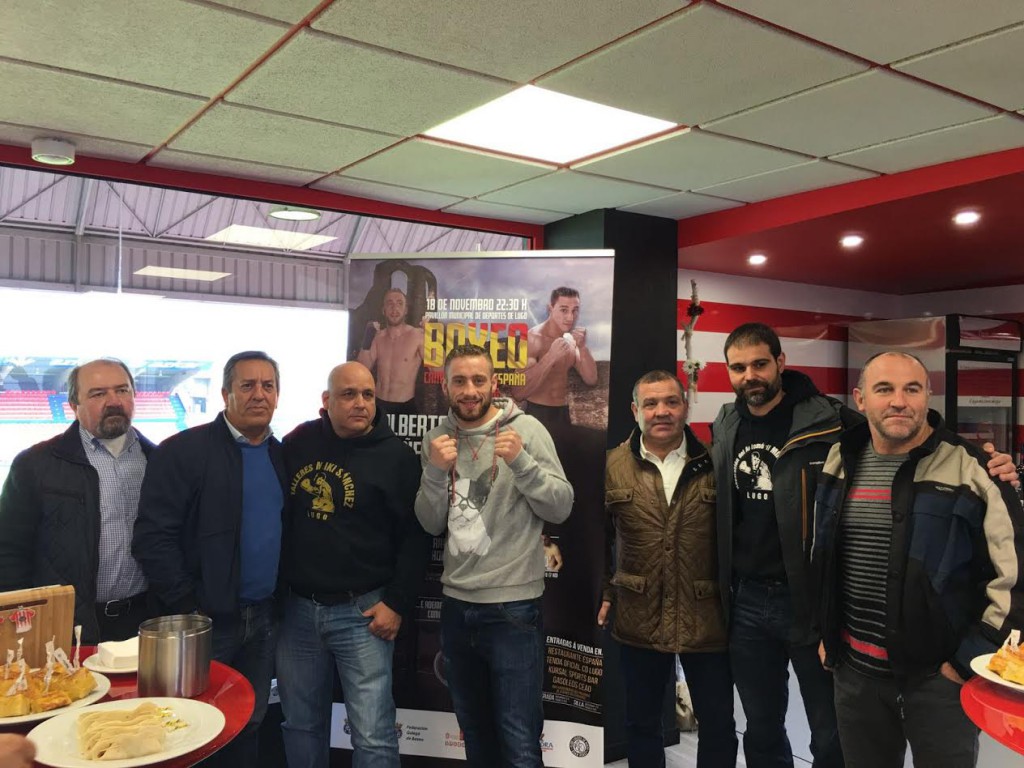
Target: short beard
x,y
766,395
460,413
113,425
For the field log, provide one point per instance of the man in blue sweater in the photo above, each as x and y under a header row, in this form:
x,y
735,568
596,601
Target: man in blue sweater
x,y
208,535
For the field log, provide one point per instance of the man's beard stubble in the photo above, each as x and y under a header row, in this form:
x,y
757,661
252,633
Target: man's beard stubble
x,y
477,412
762,393
114,423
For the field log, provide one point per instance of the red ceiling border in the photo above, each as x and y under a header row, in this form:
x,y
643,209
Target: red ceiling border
x,y
230,186
792,209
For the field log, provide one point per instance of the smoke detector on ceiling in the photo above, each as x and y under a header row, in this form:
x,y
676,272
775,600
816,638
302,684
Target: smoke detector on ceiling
x,y
51,151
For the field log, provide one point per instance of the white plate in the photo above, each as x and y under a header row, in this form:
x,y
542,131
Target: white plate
x,y
980,666
93,663
57,745
102,686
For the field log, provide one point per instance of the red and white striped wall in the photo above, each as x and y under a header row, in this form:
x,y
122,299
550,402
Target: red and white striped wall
x,y
811,322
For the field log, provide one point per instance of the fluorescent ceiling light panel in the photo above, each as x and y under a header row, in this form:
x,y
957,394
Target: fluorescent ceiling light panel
x,y
182,274
543,125
262,237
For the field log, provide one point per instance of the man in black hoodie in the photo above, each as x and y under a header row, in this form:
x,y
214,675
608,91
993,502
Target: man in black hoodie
x,y
353,558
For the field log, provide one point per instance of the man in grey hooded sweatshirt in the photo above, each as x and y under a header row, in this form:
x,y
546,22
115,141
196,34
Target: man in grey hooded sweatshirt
x,y
491,478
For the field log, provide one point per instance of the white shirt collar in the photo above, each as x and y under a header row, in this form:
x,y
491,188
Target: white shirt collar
x,y
679,452
240,438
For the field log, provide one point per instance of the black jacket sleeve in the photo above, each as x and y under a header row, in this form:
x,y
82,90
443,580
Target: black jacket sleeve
x,y
168,493
19,523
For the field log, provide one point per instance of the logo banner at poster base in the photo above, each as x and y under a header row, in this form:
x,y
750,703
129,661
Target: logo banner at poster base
x,y
436,734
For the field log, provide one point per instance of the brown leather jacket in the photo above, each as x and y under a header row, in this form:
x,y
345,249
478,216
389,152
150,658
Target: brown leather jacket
x,y
663,583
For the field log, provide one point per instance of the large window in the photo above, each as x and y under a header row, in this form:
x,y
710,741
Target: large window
x,y
173,283
175,348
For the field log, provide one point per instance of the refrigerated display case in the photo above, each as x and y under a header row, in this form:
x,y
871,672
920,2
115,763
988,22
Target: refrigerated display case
x,y
972,362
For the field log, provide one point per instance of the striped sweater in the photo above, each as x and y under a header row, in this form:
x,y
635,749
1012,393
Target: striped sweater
x,y
953,586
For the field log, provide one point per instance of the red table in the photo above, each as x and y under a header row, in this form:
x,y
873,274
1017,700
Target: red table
x,y
996,709
228,691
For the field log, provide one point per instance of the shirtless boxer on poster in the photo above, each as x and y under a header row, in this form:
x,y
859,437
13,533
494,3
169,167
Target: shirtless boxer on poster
x,y
395,355
555,346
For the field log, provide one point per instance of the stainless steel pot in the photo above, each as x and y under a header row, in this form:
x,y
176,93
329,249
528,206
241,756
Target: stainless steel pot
x,y
174,655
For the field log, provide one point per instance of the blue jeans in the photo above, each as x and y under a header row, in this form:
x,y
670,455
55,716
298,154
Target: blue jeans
x,y
247,644
494,663
314,639
647,673
762,616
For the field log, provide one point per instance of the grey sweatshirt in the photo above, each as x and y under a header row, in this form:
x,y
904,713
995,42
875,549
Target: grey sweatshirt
x,y
494,552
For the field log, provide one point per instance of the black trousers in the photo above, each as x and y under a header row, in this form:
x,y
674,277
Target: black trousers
x,y
120,619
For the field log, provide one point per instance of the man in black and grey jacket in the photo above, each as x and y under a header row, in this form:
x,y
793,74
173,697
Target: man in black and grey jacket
x,y
919,553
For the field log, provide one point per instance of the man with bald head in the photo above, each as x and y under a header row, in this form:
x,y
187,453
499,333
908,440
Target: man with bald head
x,y
919,553
69,504
353,559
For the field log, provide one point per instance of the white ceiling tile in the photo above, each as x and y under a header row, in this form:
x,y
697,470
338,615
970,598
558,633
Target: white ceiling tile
x,y
788,181
284,10
573,192
690,160
988,68
187,161
424,165
264,137
505,212
326,78
85,146
170,44
60,101
388,193
885,31
993,134
699,65
517,41
682,205
862,110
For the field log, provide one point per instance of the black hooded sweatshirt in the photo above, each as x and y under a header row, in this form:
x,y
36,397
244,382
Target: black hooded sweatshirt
x,y
350,525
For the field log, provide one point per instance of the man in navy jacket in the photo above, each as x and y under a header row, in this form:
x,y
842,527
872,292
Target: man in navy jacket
x,y
208,534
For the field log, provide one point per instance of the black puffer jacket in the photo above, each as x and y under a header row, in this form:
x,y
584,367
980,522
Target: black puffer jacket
x,y
50,522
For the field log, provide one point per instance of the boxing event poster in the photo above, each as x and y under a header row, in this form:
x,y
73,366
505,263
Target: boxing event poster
x,y
551,355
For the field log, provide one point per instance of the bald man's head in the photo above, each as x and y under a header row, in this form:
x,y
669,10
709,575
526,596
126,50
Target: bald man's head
x,y
350,399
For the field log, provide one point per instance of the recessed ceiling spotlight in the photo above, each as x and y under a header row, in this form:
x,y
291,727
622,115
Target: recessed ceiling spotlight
x,y
50,151
757,259
293,213
966,218
851,241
